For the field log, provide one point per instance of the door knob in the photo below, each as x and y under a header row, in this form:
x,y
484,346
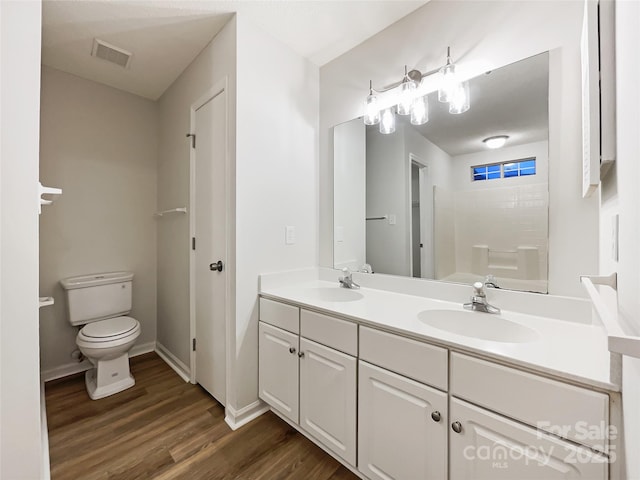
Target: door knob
x,y
436,416
292,350
456,427
217,266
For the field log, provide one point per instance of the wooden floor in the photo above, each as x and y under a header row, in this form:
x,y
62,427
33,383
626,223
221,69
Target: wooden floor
x,y
164,428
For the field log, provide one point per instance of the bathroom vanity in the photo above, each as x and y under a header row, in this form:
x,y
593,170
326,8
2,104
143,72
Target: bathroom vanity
x,y
399,386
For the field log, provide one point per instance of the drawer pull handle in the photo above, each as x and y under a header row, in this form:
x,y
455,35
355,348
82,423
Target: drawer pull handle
x,y
292,350
436,416
301,354
456,427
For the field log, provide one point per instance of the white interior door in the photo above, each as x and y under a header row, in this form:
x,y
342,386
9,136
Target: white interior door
x,y
210,228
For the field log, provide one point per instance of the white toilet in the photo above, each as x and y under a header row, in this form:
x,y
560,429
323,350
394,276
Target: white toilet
x,y
100,302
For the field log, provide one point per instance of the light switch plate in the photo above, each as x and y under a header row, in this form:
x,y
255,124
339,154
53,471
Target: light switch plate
x,y
289,235
392,219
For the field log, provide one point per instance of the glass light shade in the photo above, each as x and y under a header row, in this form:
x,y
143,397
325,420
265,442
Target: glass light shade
x,y
496,142
371,111
407,94
387,121
460,101
420,111
448,82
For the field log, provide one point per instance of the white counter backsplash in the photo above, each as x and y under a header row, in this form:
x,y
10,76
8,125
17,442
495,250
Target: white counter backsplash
x,y
571,345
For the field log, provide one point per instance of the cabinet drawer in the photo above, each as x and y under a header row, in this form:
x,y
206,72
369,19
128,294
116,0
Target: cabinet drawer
x,y
420,361
329,331
571,412
280,315
487,446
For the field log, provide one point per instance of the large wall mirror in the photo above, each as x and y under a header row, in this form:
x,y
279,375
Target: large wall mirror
x,y
434,201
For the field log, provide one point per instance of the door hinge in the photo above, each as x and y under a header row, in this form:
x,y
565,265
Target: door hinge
x,y
193,243
193,139
194,345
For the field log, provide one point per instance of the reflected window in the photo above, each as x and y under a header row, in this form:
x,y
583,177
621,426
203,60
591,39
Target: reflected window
x,y
509,169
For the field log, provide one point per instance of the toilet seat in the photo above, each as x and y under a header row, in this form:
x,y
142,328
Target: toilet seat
x,y
108,333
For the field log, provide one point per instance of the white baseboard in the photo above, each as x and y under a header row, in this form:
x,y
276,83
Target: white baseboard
x,y
142,349
174,362
78,367
237,418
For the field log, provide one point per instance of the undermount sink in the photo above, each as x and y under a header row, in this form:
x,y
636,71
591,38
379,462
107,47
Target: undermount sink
x,y
485,326
333,294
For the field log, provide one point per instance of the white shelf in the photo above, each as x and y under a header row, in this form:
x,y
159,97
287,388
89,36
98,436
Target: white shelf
x,y
45,301
171,210
618,341
51,192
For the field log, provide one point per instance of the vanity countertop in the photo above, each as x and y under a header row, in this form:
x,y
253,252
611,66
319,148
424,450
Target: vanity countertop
x,y
576,352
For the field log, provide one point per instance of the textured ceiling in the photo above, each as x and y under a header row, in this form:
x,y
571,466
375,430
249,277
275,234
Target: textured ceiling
x,y
512,100
165,36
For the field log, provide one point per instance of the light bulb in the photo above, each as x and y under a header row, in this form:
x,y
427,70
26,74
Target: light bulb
x,y
371,110
459,102
496,142
448,82
407,93
420,111
387,121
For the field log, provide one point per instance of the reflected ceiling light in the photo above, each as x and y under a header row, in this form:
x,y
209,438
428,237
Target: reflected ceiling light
x,y
387,121
409,97
459,98
495,142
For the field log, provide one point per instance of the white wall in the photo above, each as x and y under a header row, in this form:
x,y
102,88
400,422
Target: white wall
x,y
99,145
621,195
387,191
276,179
215,62
483,35
20,434
350,201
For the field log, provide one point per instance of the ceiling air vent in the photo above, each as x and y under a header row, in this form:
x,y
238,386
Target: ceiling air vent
x,y
110,53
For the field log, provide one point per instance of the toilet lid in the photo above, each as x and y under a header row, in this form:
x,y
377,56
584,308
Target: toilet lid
x,y
109,327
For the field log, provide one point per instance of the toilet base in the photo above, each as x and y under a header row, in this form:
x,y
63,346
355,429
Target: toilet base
x,y
109,377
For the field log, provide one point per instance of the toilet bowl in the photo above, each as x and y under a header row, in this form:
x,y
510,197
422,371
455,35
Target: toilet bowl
x,y
99,303
106,344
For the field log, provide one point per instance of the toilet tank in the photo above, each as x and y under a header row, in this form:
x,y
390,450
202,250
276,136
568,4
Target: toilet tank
x,y
97,296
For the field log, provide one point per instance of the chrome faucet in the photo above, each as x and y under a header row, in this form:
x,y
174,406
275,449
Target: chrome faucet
x,y
491,282
479,302
347,281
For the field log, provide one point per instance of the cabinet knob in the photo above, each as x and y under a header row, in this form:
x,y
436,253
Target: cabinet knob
x,y
292,350
436,416
301,354
456,427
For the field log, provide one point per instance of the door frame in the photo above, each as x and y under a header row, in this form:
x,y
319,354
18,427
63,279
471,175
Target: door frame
x,y
423,175
218,88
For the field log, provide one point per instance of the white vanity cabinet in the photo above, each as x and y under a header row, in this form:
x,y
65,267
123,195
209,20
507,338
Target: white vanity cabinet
x,y
402,427
400,408
278,364
487,446
402,419
328,397
308,374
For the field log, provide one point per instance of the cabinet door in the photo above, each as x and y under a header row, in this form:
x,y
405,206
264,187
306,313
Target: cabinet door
x,y
278,370
328,397
492,447
402,427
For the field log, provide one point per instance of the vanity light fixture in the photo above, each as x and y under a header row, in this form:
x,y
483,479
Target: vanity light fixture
x,y
497,141
371,109
409,97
